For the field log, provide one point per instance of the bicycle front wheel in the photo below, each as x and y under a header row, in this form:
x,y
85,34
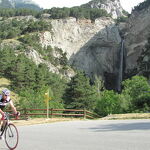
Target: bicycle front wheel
x,y
11,136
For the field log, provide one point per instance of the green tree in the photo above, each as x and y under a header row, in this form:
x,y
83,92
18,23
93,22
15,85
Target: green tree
x,y
7,56
58,86
18,72
108,103
137,90
80,94
41,76
32,99
29,75
77,12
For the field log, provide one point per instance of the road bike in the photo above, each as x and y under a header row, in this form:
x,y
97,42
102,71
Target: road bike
x,y
10,133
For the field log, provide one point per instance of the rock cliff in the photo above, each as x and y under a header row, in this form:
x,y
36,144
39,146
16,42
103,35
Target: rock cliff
x,y
112,7
136,34
91,47
94,47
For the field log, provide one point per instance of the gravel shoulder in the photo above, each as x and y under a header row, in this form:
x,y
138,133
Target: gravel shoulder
x,y
41,121
33,121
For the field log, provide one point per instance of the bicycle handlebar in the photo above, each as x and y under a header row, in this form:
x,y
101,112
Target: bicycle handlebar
x,y
8,114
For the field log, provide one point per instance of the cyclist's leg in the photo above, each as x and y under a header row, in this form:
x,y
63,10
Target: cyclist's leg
x,y
0,120
3,124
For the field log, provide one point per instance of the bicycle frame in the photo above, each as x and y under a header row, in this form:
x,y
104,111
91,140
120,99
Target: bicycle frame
x,y
6,124
10,133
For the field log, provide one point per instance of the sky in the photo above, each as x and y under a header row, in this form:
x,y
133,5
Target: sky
x,y
126,4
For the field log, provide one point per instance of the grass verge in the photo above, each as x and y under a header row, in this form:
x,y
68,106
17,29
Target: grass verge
x,y
127,116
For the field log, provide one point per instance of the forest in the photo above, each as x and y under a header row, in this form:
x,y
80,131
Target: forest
x,y
31,81
57,13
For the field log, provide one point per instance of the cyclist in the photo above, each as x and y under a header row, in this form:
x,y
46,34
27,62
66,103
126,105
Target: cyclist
x,y
5,100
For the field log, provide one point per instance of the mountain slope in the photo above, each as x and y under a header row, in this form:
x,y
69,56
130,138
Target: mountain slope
x,y
111,6
137,32
5,4
26,4
19,4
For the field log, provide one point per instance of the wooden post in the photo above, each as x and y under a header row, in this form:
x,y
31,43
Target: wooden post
x,y
84,113
51,112
47,103
25,114
47,109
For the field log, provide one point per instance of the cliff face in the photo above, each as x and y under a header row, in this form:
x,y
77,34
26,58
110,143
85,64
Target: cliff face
x,y
100,53
94,47
112,7
91,47
137,31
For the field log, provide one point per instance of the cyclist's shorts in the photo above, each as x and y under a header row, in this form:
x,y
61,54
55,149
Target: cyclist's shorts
x,y
1,117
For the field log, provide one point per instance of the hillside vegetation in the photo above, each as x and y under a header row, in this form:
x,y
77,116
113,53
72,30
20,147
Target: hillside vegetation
x,y
57,13
20,35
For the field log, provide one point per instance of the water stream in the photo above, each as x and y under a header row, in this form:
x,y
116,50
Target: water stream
x,y
121,66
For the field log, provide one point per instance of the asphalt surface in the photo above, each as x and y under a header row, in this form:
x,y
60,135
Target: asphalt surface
x,y
85,135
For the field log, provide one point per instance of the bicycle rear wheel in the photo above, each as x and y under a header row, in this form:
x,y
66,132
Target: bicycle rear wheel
x,y
11,136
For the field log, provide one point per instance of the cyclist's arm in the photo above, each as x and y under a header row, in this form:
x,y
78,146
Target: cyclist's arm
x,y
13,107
2,115
1,112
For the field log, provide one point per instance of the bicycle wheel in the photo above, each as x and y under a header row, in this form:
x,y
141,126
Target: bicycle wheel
x,y
11,136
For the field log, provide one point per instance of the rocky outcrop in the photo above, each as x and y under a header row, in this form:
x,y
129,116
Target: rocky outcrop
x,y
112,7
137,31
37,59
91,47
100,54
69,35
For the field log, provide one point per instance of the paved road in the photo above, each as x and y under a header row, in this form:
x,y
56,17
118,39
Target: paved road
x,y
85,135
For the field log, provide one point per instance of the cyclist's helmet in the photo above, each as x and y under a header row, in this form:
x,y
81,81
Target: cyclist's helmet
x,y
6,92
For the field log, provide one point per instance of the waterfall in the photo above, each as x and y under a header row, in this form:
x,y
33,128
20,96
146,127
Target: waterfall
x,y
121,66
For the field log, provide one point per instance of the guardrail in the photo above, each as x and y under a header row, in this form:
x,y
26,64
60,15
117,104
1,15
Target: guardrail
x,y
26,113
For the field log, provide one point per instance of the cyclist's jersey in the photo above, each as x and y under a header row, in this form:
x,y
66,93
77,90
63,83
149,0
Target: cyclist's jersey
x,y
4,103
